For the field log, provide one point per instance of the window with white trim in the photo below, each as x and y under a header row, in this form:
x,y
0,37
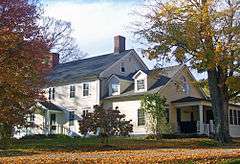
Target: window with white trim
x,y
51,93
185,85
234,117
71,118
72,91
140,84
141,117
85,89
115,88
85,112
32,117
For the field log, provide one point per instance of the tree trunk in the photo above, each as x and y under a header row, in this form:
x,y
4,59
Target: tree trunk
x,y
5,135
220,105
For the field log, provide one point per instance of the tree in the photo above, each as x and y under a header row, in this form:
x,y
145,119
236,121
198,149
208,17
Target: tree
x,y
155,107
57,33
206,35
105,123
22,50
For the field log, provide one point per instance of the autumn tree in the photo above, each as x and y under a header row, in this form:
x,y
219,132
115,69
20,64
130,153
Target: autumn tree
x,y
105,123
58,36
204,34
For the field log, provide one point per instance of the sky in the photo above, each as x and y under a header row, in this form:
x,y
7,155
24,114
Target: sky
x,y
96,22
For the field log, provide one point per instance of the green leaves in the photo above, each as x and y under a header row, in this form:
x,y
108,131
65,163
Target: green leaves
x,y
155,107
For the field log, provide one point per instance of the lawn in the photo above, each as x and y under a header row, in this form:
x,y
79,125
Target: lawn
x,y
62,149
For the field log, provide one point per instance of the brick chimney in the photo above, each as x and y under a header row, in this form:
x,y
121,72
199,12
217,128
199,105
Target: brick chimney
x,y
119,44
54,59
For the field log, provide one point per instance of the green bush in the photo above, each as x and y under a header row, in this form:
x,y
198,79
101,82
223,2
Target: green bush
x,y
209,143
43,136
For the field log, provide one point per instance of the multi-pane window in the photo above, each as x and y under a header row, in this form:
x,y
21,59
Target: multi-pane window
x,y
140,84
85,89
51,93
234,117
167,114
185,85
72,91
71,118
231,116
115,88
141,117
32,118
85,112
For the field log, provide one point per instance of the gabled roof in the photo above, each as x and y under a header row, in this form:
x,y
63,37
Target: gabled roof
x,y
189,99
51,106
85,68
163,74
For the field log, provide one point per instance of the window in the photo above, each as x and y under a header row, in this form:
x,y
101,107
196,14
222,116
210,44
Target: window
x,y
167,114
238,117
234,117
115,88
51,93
85,112
140,84
72,91
85,89
71,118
231,117
122,67
185,85
141,117
32,117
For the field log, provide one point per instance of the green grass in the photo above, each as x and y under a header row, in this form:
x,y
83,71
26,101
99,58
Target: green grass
x,y
232,161
66,143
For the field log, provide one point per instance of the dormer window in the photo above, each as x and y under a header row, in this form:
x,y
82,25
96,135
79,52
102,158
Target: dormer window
x,y
115,88
122,68
140,85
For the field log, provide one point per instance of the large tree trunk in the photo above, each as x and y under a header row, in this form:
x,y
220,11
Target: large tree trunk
x,y
220,105
5,135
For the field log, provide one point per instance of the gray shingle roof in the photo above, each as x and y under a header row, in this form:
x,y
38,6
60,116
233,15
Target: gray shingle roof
x,y
85,68
51,106
163,74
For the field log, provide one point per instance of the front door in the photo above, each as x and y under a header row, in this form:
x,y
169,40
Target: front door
x,y
53,126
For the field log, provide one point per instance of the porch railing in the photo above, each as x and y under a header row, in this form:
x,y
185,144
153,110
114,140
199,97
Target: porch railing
x,y
57,129
203,128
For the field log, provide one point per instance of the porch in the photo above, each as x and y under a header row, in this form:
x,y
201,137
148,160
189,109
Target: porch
x,y
54,119
193,115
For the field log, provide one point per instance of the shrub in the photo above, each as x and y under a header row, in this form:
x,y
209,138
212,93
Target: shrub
x,y
105,123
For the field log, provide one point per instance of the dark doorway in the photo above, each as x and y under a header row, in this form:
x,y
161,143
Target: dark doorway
x,y
52,119
209,116
178,115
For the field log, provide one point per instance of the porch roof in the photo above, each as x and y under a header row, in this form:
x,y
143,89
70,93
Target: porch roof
x,y
51,106
195,101
189,99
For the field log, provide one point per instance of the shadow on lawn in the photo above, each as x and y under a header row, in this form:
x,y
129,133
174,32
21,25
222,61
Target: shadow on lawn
x,y
14,153
94,144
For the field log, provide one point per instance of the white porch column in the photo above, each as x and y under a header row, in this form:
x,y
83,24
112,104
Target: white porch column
x,y
201,126
48,122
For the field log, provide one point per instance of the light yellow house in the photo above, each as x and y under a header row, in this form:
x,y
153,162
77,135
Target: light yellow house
x,y
189,109
119,80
